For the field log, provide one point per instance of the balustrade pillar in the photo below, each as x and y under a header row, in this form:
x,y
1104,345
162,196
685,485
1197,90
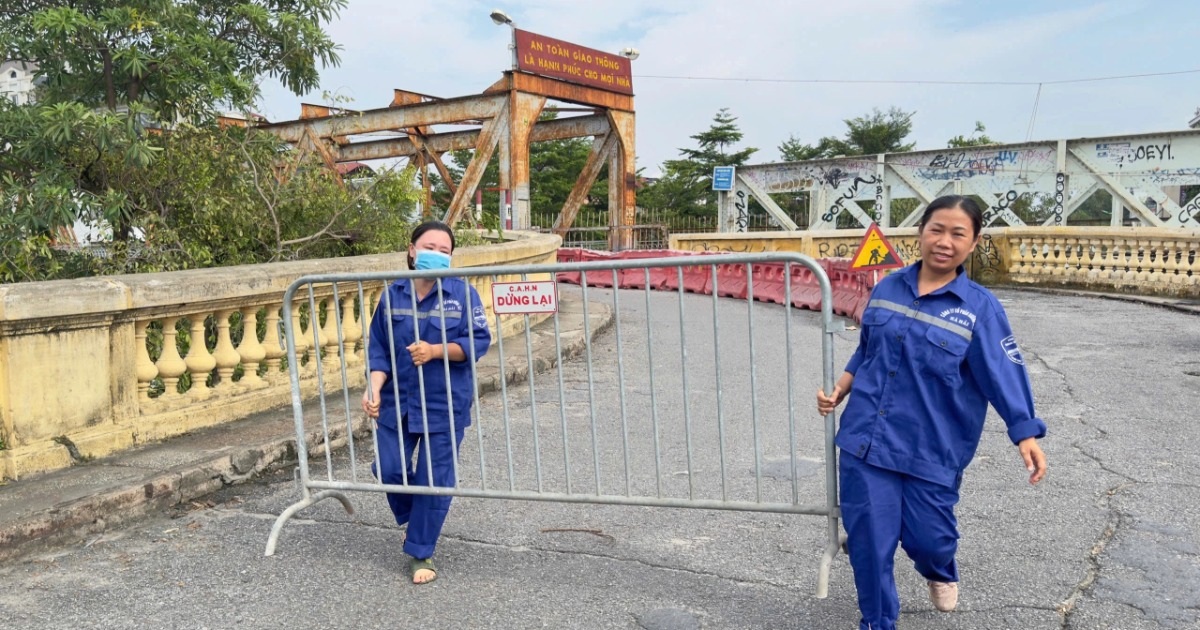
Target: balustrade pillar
x,y
226,356
170,364
351,328
1175,269
273,345
331,352
200,361
250,349
146,370
300,338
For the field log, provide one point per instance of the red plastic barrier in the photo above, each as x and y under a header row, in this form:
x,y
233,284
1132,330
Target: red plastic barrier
x,y
732,281
769,282
851,289
806,291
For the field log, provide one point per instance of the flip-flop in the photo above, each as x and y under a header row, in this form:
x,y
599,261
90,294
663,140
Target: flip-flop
x,y
417,564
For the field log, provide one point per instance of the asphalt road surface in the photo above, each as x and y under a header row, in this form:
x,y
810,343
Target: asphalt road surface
x,y
1111,538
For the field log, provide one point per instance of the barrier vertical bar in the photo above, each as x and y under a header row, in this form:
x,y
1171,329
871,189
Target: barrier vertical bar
x,y
621,381
512,479
533,420
687,417
562,395
449,385
474,359
753,384
587,348
314,324
389,308
366,341
717,365
653,394
337,312
416,312
787,326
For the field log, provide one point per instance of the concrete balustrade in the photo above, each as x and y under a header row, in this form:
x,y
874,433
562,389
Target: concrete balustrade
x,y
92,366
1141,260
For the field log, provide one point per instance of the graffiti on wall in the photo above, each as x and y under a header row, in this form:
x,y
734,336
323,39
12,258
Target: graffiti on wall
x,y
727,247
965,165
1128,152
1188,212
840,203
908,248
986,261
743,211
999,208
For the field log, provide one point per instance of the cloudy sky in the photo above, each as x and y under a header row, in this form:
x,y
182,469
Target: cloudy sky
x,y
785,62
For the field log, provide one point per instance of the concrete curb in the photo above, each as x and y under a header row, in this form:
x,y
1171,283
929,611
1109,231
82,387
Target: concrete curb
x,y
71,505
1181,305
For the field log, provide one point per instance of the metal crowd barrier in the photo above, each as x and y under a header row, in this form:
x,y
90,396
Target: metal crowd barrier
x,y
664,411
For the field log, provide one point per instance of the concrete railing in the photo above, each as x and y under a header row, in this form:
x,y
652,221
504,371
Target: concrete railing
x,y
1142,260
1161,261
89,367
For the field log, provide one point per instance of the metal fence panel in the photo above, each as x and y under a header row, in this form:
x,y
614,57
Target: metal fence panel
x,y
686,404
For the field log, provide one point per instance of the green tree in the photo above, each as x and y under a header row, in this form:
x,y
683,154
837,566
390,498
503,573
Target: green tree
x,y
116,77
870,134
179,58
686,184
978,138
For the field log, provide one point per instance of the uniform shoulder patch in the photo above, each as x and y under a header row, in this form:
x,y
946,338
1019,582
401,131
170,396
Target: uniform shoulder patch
x,y
1009,345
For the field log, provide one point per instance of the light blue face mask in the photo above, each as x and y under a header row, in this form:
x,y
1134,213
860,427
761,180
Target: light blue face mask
x,y
428,259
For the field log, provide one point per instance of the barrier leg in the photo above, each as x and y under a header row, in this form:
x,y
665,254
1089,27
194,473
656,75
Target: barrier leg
x,y
300,505
837,542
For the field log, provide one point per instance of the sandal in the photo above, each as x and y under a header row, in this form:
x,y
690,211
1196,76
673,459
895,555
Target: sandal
x,y
417,564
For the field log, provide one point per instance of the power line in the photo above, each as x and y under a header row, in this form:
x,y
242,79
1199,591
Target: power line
x,y
916,82
1033,117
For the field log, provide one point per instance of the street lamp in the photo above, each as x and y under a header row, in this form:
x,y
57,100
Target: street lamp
x,y
500,18
630,53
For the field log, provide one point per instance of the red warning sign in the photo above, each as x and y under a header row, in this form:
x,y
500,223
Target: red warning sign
x,y
875,252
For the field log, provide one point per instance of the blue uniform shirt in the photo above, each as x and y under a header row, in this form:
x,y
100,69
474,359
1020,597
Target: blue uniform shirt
x,y
463,324
924,372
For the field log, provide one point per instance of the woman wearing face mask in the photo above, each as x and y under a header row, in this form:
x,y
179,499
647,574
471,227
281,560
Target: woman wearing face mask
x,y
422,333
935,348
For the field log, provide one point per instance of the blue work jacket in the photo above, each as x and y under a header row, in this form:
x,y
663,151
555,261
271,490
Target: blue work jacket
x,y
925,369
460,313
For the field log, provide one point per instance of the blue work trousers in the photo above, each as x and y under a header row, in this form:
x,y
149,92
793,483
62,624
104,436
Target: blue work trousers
x,y
881,508
425,514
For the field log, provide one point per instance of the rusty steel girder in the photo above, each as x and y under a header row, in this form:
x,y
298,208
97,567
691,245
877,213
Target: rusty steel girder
x,y
507,118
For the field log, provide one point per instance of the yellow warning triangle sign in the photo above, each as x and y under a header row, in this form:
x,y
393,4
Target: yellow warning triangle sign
x,y
875,252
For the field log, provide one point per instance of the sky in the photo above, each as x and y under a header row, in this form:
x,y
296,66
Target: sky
x,y
451,48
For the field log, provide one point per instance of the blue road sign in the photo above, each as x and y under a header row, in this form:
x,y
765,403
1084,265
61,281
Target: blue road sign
x,y
723,178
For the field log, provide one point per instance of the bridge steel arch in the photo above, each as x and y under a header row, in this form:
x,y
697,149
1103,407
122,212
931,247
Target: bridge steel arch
x,y
1143,173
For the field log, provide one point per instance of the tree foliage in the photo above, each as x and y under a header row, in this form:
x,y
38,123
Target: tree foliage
x,y
686,184
871,134
978,138
120,135
180,58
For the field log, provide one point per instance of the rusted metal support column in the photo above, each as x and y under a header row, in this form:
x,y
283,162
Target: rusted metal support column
x,y
602,150
622,182
489,137
523,111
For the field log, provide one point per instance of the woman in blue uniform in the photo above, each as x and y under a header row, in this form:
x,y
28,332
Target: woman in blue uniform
x,y
407,356
934,349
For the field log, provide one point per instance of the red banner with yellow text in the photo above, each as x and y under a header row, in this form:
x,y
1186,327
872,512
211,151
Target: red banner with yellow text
x,y
538,54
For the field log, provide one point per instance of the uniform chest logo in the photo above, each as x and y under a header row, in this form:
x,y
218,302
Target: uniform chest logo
x,y
960,316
